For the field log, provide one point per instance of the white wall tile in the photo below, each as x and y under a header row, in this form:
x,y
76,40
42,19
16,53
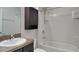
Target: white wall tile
x,y
61,26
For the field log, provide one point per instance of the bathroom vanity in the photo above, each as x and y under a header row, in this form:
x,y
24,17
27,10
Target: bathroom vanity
x,y
26,47
11,21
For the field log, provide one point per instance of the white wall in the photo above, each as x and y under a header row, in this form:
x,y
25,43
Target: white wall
x,y
40,26
64,27
31,34
0,19
11,17
44,29
13,22
26,33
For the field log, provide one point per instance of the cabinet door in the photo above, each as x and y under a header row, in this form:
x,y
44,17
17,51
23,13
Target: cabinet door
x,y
28,48
27,17
31,18
34,16
18,50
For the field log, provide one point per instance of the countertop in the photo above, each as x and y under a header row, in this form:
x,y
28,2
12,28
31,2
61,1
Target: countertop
x,y
10,49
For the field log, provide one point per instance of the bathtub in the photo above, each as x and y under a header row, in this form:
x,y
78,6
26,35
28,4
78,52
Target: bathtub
x,y
58,47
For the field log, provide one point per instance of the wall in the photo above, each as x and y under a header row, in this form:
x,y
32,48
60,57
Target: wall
x,y
11,17
26,33
44,29
32,34
40,26
13,22
64,28
0,20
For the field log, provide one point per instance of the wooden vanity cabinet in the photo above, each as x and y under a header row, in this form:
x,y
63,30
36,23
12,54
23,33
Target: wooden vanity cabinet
x,y
18,50
27,48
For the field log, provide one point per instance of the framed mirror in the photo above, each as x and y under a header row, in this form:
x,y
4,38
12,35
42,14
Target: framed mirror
x,y
10,20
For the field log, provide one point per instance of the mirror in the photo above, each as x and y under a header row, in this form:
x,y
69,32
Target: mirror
x,y
10,20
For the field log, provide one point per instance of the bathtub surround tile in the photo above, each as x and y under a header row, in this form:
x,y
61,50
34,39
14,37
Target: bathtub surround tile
x,y
60,26
63,26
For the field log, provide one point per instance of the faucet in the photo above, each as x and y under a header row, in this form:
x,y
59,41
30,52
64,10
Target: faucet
x,y
12,37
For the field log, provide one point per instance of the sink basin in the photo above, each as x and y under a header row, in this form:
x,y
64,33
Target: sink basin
x,y
12,42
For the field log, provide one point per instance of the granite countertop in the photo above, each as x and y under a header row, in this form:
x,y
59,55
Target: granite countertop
x,y
10,49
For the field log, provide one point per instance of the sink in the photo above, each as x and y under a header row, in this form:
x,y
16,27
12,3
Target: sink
x,y
12,42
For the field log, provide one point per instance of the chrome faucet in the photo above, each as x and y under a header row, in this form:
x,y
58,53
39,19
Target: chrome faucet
x,y
12,37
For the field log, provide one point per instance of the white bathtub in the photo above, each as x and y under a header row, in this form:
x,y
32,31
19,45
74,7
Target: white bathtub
x,y
58,47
